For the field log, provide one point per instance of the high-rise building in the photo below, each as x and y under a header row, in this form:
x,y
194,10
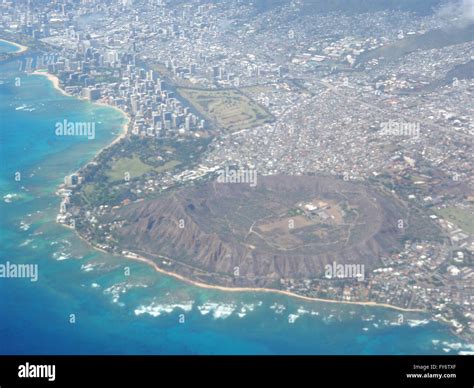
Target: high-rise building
x,y
167,116
134,104
217,72
156,118
187,123
71,180
91,94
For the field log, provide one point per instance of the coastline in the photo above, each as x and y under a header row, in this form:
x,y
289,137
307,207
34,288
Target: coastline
x,y
195,283
57,85
264,290
20,47
55,82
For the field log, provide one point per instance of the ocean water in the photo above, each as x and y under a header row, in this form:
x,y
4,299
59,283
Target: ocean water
x,y
146,312
6,47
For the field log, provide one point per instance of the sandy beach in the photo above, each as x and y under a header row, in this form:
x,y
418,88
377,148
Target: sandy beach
x,y
20,47
151,263
55,81
124,131
266,290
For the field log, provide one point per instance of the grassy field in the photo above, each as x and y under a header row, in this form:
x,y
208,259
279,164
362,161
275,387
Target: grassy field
x,y
460,217
133,166
228,109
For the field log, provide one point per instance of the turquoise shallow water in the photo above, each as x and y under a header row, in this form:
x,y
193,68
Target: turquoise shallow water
x,y
142,313
6,47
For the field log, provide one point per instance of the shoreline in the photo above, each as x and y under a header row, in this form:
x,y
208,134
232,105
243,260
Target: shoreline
x,y
55,82
199,284
57,85
263,290
20,47
53,79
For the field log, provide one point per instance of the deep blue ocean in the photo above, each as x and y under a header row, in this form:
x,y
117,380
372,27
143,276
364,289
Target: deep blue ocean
x,y
146,312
